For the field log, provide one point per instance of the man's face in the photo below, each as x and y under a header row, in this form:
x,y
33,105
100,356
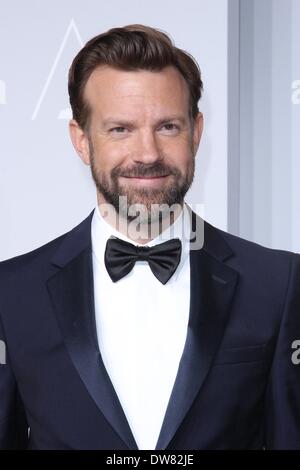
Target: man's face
x,y
141,143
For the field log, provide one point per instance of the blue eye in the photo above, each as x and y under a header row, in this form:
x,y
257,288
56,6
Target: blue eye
x,y
173,126
117,129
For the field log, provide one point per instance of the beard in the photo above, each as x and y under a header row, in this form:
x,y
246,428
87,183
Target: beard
x,y
150,205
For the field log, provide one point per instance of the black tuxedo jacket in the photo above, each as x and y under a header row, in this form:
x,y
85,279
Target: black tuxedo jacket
x,y
236,386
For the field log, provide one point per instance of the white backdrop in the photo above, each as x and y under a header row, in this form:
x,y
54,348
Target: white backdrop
x,y
270,123
44,188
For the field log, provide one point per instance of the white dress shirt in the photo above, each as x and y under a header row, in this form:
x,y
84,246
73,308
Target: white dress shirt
x,y
142,327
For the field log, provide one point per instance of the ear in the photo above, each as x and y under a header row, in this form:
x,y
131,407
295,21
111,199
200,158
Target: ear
x,y
79,140
197,131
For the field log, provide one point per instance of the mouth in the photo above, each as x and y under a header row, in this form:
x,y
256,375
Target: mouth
x,y
148,180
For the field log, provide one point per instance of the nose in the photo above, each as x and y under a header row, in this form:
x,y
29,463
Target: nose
x,y
147,149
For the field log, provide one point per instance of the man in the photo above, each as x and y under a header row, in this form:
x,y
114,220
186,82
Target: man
x,y
145,327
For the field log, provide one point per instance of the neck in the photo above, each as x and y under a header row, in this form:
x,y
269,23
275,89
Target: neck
x,y
136,231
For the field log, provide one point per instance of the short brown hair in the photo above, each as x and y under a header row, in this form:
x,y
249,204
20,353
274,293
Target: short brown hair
x,y
128,48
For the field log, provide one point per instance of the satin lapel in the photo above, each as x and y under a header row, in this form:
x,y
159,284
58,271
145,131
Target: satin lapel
x,y
211,293
71,292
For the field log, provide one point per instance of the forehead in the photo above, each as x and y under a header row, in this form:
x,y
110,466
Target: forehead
x,y
110,87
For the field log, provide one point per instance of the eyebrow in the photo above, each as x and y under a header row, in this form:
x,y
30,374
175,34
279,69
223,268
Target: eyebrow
x,y
127,123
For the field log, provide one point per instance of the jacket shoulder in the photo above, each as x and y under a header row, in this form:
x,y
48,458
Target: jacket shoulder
x,y
42,254
249,253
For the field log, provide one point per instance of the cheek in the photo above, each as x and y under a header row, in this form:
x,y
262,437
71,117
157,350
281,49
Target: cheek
x,y
110,154
179,153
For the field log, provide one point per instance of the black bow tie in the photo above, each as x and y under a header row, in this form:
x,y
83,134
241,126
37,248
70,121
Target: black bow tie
x,y
120,257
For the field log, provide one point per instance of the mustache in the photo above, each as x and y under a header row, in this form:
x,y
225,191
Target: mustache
x,y
144,170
